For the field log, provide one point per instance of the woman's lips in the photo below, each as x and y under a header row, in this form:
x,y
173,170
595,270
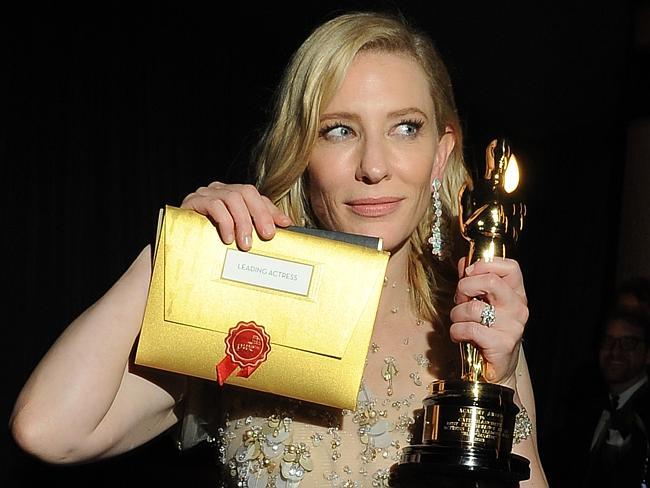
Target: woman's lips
x,y
374,207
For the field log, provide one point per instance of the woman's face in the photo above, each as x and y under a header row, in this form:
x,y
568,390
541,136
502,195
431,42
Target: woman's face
x,y
377,153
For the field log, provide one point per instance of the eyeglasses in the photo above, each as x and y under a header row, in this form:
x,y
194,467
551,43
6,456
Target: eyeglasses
x,y
627,344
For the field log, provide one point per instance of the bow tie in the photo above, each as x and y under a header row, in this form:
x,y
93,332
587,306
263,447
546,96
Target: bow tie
x,y
616,417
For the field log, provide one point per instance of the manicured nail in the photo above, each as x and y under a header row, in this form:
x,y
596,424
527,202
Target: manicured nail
x,y
247,240
469,269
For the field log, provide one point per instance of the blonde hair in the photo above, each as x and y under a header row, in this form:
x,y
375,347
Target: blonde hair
x,y
314,74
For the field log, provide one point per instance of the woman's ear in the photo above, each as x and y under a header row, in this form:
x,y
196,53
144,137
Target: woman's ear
x,y
443,151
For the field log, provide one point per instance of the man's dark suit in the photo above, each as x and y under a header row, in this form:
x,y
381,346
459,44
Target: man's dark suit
x,y
567,458
621,467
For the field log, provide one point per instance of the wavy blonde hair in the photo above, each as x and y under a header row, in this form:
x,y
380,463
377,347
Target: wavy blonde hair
x,y
313,76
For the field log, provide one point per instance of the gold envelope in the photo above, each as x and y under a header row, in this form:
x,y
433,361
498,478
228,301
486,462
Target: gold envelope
x,y
316,298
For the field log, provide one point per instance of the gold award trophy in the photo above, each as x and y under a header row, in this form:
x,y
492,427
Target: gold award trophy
x,y
469,423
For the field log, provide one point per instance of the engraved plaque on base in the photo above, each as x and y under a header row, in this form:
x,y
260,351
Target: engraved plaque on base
x,y
466,441
468,422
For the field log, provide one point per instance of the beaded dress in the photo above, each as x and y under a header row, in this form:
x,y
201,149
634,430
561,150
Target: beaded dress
x,y
264,440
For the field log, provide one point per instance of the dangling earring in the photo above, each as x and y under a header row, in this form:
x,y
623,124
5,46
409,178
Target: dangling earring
x,y
436,238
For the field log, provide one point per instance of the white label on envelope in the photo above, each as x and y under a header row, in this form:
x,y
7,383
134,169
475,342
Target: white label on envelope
x,y
258,270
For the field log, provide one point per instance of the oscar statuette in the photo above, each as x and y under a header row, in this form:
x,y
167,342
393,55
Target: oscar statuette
x,y
469,423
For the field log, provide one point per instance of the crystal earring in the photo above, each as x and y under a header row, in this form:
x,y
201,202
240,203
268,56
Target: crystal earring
x,y
436,237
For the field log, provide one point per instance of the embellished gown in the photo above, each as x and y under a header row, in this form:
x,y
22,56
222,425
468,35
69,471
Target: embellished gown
x,y
263,440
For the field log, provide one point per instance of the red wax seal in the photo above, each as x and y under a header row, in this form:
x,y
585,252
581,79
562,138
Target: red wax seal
x,y
247,346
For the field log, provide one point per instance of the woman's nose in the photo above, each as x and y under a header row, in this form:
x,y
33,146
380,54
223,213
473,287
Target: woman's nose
x,y
374,161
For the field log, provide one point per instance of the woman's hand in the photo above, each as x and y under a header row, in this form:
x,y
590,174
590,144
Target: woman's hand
x,y
235,209
499,283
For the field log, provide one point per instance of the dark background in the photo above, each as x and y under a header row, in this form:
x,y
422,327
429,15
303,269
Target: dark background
x,y
110,112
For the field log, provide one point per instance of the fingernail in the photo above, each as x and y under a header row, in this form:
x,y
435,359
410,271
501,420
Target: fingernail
x,y
469,269
246,240
228,238
268,230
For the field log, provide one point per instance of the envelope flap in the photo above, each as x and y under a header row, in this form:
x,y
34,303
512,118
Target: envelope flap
x,y
310,290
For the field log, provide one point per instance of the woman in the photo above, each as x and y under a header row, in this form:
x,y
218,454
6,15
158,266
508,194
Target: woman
x,y
365,139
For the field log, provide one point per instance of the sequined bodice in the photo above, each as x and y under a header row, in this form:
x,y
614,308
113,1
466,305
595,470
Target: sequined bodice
x,y
267,441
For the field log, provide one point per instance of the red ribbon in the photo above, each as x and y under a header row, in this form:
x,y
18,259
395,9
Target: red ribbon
x,y
247,347
226,367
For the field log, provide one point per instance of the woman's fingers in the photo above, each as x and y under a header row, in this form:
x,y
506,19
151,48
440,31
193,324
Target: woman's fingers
x,y
222,219
472,313
279,217
241,209
499,347
469,311
461,267
507,269
236,210
498,284
490,340
495,290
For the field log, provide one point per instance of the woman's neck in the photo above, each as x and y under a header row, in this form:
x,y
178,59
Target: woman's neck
x,y
395,293
397,268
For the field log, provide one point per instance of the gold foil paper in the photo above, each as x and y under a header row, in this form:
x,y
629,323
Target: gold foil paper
x,y
319,336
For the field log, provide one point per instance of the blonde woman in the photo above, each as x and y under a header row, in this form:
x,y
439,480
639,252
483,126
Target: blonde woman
x,y
365,139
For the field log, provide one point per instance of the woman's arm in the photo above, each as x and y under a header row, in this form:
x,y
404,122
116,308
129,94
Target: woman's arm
x,y
86,399
528,447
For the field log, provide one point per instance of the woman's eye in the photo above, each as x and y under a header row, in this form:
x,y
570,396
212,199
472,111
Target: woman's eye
x,y
336,132
409,128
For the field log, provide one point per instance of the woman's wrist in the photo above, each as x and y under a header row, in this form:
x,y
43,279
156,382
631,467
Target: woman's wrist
x,y
511,382
523,426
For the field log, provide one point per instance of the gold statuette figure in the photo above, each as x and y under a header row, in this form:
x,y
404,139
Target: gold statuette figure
x,y
491,222
469,423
